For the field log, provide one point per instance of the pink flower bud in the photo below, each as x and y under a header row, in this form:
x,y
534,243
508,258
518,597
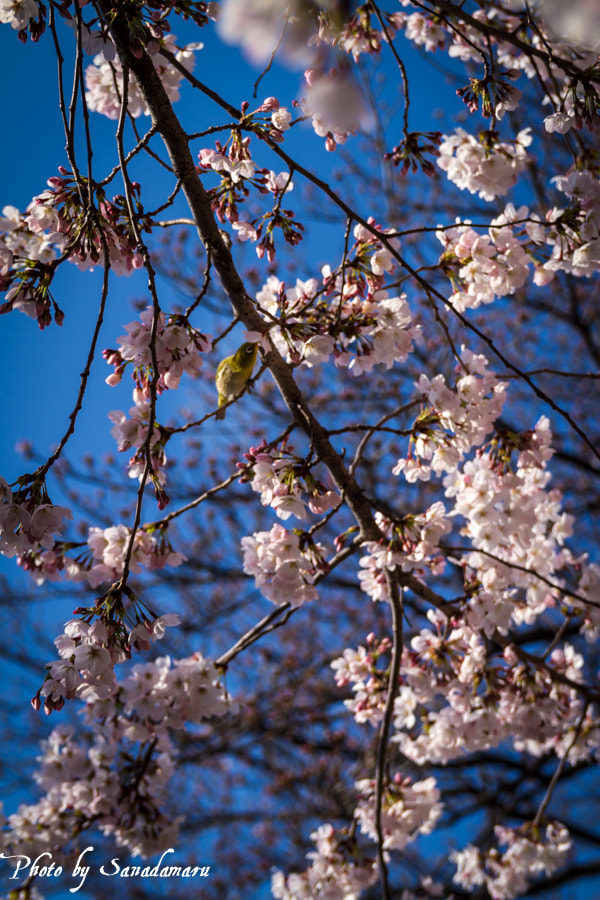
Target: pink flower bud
x,y
269,104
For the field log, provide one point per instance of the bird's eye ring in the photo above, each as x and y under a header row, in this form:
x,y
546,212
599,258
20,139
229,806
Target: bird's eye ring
x,y
250,348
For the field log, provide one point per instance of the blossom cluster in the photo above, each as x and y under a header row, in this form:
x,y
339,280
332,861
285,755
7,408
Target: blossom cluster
x,y
88,654
19,14
161,695
177,349
575,102
338,870
530,852
29,243
521,704
483,267
348,317
336,105
87,784
238,173
281,478
437,715
56,222
572,33
369,682
34,234
411,543
519,527
284,564
26,522
121,779
574,233
510,515
408,809
103,559
235,167
258,28
456,420
485,167
105,85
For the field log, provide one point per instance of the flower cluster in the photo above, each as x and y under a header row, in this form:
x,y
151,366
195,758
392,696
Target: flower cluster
x,y
236,167
456,420
533,708
33,234
259,28
574,233
410,543
28,521
102,561
508,874
408,809
421,29
132,432
89,784
281,478
161,695
518,526
105,87
88,654
369,682
239,172
121,779
316,323
336,105
57,222
485,266
486,167
29,245
574,100
284,564
19,13
177,350
338,870
109,546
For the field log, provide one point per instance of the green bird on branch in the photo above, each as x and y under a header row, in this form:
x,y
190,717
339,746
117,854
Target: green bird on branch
x,y
234,373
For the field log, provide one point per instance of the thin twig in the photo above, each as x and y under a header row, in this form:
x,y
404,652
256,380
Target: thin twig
x,y
560,768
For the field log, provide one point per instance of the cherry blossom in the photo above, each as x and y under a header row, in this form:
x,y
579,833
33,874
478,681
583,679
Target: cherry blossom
x,y
487,167
283,571
508,874
83,781
337,871
104,81
259,28
17,13
177,347
408,809
279,478
336,105
25,522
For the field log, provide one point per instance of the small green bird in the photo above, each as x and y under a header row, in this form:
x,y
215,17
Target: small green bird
x,y
234,373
